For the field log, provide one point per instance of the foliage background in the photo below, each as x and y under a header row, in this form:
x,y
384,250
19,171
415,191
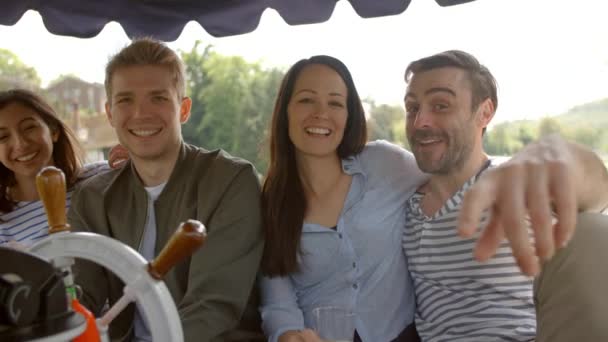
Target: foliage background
x,y
233,101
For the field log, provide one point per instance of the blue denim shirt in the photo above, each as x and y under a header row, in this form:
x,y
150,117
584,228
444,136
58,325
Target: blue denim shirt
x,y
359,266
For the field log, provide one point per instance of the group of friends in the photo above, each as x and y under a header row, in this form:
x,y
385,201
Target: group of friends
x,y
443,243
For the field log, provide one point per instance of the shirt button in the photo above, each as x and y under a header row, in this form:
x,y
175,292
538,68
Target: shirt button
x,y
354,264
355,286
340,235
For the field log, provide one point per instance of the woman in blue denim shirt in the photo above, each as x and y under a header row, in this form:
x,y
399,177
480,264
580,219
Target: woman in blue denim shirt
x,y
334,210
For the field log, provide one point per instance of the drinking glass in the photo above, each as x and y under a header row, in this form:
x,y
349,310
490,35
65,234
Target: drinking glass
x,y
334,323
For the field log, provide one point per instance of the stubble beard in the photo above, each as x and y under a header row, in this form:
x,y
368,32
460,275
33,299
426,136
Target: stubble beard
x,y
458,151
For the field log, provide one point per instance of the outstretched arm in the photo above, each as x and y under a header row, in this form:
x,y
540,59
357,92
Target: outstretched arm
x,y
548,177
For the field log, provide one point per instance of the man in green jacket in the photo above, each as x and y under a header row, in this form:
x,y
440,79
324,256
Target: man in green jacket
x,y
165,182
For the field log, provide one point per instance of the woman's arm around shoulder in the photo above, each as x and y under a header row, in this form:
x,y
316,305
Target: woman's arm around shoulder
x,y
390,161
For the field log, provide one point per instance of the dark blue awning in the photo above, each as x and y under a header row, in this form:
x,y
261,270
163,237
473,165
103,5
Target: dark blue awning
x,y
165,19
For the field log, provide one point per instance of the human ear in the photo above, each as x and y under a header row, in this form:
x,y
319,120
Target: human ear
x,y
184,109
485,112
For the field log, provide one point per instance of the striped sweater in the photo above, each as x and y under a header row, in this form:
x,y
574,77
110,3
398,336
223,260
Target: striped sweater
x,y
27,223
458,298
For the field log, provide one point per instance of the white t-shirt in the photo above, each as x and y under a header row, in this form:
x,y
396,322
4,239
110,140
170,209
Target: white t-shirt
x,y
146,248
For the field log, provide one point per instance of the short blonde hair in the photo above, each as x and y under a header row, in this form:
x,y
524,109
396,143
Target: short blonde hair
x,y
147,51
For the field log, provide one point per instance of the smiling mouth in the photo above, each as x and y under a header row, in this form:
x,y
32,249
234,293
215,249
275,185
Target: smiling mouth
x,y
426,142
27,157
145,132
318,131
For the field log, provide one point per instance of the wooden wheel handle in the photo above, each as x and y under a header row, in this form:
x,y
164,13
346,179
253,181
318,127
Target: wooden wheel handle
x,y
188,237
50,183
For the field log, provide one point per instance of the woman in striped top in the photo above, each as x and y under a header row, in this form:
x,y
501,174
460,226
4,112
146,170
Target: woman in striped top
x,y
32,137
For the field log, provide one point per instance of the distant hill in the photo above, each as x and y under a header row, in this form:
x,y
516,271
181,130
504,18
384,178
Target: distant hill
x,y
586,124
594,114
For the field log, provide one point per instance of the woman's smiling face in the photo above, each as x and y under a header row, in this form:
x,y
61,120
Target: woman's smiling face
x,y
26,141
317,111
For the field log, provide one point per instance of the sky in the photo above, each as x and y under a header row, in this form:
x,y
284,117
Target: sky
x,y
547,55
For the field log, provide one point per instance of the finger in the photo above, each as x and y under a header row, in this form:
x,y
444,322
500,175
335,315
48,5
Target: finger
x,y
297,338
490,239
538,202
563,194
310,335
511,204
479,196
116,163
118,153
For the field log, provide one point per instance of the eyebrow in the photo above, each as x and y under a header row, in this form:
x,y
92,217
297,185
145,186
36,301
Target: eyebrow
x,y
159,92
123,94
409,94
440,90
29,118
432,91
152,92
314,92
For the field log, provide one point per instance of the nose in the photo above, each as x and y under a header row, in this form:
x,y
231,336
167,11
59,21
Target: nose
x,y
138,109
19,142
141,109
423,118
320,111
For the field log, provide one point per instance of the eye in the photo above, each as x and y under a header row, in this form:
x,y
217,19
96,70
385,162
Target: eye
x,y
336,104
30,127
122,100
160,98
438,107
411,109
305,100
3,137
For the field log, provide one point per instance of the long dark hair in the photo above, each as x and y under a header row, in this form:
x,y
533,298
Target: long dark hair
x,y
67,153
283,200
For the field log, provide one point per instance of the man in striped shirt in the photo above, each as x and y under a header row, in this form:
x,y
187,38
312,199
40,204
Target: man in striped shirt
x,y
470,284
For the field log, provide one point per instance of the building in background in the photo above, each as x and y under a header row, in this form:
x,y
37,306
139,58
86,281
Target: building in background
x,y
81,105
70,90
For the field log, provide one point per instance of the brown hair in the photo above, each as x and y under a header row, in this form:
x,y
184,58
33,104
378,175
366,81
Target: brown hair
x,y
147,51
67,152
483,84
283,201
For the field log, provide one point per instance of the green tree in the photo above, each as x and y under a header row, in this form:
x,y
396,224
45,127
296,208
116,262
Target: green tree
x,y
387,122
232,103
586,135
549,125
504,139
15,74
196,81
527,132
256,122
